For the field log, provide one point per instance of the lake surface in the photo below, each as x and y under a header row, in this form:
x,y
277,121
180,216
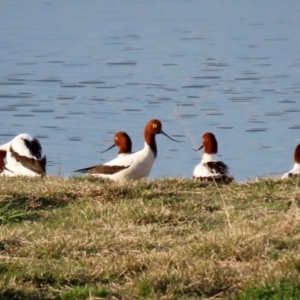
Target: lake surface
x,y
75,72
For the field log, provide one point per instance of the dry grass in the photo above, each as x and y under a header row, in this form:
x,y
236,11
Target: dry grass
x,y
83,238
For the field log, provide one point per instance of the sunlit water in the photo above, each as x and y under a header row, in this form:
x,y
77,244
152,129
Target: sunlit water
x,y
75,72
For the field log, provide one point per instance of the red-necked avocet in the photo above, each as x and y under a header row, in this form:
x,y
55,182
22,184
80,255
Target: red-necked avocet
x,y
24,156
296,169
210,168
123,142
132,166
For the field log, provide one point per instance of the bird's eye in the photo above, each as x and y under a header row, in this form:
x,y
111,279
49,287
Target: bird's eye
x,y
154,125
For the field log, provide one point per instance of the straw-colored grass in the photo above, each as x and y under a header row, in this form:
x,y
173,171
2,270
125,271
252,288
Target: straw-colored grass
x,y
85,238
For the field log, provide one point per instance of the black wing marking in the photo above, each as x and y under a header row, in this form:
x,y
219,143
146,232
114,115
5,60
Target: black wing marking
x,y
102,169
34,148
217,167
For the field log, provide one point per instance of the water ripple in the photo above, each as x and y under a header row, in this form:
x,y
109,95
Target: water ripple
x,y
122,63
16,96
256,129
195,86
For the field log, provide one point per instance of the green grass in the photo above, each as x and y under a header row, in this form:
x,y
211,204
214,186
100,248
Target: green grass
x,y
11,213
275,291
86,238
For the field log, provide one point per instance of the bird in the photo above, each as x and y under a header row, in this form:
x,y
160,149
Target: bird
x,y
296,169
24,156
123,141
135,165
210,168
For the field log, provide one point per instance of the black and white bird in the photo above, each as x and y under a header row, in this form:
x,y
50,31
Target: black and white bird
x,y
210,168
296,169
24,156
121,140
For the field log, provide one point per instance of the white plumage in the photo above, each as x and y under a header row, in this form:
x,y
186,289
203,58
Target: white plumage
x,y
131,166
296,169
210,168
24,156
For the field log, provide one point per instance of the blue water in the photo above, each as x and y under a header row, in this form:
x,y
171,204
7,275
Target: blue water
x,y
75,72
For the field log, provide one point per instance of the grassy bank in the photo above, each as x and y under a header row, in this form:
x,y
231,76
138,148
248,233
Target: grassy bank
x,y
83,238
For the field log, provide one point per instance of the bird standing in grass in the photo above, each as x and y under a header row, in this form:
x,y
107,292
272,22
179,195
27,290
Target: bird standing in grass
x,y
132,166
296,169
210,168
122,141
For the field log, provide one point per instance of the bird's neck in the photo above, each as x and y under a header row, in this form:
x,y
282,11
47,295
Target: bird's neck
x,y
209,157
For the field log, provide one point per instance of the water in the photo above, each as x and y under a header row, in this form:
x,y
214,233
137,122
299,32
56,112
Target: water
x,y
75,72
